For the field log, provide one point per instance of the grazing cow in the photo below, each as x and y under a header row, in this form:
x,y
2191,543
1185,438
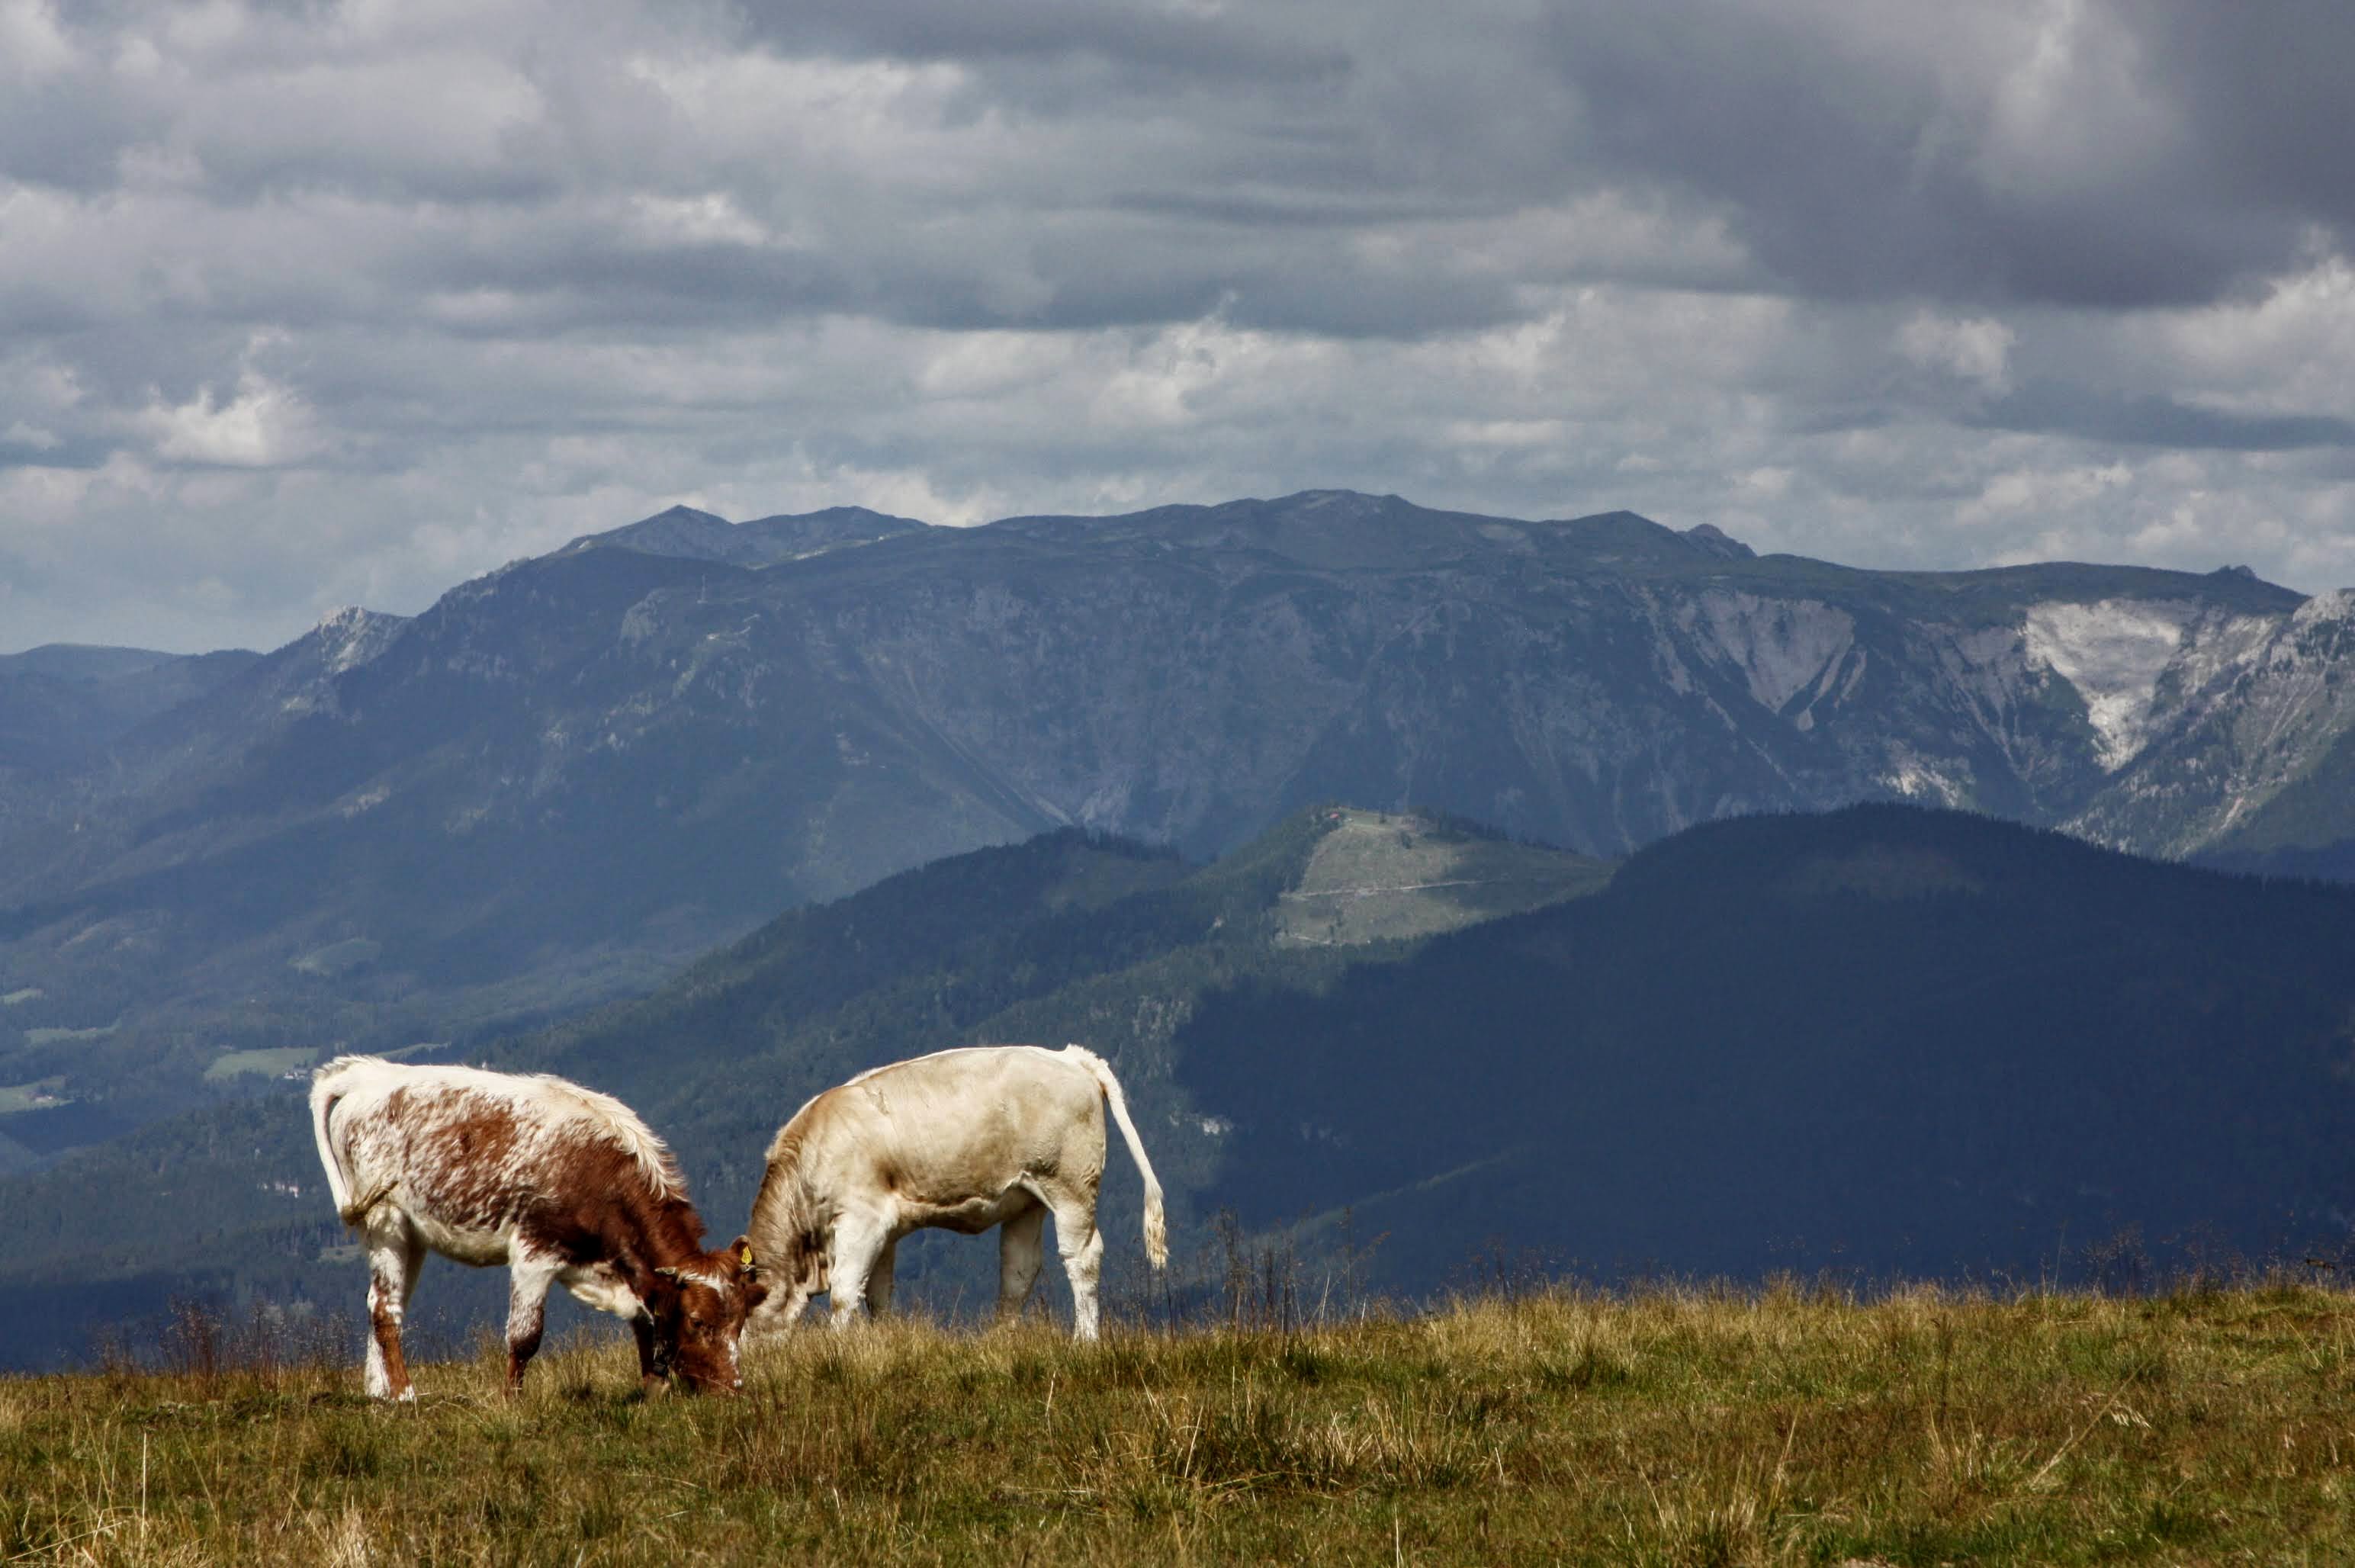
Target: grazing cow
x,y
559,1183
963,1139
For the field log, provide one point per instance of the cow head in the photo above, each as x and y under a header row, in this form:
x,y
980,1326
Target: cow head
x,y
699,1311
798,1273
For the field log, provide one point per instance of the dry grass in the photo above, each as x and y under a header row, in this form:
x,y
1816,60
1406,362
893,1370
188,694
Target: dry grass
x,y
1662,1428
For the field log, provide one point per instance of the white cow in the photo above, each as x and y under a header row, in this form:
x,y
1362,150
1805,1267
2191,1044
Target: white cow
x,y
962,1139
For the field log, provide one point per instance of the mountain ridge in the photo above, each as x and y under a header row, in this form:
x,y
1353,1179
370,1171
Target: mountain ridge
x,y
693,534
572,773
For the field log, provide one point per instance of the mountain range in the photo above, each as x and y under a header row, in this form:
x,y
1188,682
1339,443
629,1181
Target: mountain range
x,y
571,777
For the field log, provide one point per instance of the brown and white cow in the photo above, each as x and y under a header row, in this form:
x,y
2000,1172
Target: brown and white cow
x,y
963,1139
561,1183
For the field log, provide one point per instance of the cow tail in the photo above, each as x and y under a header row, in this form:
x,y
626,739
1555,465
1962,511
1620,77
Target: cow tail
x,y
1157,1228
326,1088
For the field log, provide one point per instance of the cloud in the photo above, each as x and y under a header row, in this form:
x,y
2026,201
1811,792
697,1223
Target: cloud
x,y
2153,420
2064,152
1978,351
1209,43
32,43
341,302
264,425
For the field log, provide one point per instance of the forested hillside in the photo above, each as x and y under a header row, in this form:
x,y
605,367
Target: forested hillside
x,y
1884,1041
1069,936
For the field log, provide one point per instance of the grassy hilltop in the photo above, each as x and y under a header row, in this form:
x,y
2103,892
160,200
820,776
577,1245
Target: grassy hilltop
x,y
1664,1426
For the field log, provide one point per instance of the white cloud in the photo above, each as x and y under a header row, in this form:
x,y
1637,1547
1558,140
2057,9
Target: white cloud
x,y
32,44
1977,351
2289,349
2044,492
264,425
711,218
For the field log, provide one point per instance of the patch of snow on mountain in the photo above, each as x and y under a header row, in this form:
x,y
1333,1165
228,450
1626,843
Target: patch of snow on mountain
x,y
2112,652
1782,646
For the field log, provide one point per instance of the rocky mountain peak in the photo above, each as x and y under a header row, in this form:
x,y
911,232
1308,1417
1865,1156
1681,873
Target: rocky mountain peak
x,y
1718,542
2334,605
687,534
351,637
679,530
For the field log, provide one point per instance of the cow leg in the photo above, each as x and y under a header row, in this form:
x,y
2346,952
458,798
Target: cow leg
x,y
1020,1250
412,1258
651,1373
394,1255
858,1242
528,1278
1081,1244
878,1282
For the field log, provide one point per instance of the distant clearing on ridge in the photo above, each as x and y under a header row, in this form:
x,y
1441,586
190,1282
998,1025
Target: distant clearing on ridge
x,y
338,958
65,1036
1379,877
265,1064
40,1094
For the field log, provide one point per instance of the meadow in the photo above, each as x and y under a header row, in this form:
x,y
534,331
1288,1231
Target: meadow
x,y
1667,1426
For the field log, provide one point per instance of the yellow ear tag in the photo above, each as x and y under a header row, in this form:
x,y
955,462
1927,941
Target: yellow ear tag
x,y
747,1256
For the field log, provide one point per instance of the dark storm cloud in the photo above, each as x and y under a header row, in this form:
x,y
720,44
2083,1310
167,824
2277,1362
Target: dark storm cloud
x,y
1153,42
2117,156
2148,420
62,134
2265,86
672,283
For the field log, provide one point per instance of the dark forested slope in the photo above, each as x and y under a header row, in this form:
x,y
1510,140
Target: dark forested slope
x,y
1885,1038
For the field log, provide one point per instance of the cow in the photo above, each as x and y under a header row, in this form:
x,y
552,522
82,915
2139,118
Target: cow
x,y
962,1139
559,1182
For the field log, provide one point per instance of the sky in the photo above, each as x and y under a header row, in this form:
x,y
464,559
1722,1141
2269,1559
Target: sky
x,y
312,304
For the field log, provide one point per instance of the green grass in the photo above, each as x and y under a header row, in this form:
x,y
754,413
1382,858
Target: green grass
x,y
338,958
1665,1427
32,1096
67,1036
1376,876
259,1063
